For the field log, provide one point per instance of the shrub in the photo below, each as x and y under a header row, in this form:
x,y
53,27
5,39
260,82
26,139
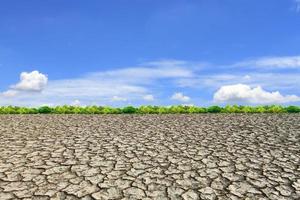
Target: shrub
x,y
9,110
163,110
24,110
194,109
129,110
110,110
148,109
178,109
214,109
107,110
68,110
276,109
45,110
116,111
260,109
248,109
233,109
292,109
154,109
93,110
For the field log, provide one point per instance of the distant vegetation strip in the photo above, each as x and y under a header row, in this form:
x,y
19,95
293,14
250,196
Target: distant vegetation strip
x,y
148,109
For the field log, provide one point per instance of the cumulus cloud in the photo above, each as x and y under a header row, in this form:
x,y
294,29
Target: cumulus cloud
x,y
31,81
148,97
180,97
136,83
273,62
108,87
254,95
287,82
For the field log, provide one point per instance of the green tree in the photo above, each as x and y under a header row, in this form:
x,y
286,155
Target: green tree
x,y
163,110
233,109
129,110
276,109
195,109
146,110
45,110
93,110
214,109
248,109
178,109
260,109
292,109
60,110
10,110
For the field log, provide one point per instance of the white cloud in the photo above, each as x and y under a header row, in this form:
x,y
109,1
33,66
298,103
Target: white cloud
x,y
76,103
10,93
131,82
147,72
117,98
180,97
115,87
287,82
31,81
254,95
272,62
148,97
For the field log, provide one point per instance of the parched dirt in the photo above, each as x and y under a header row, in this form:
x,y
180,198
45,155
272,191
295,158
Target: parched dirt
x,y
205,156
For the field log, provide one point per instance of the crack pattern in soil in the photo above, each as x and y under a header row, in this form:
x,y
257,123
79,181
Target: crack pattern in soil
x,y
209,156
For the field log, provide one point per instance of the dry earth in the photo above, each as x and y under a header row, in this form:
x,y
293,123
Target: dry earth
x,y
209,156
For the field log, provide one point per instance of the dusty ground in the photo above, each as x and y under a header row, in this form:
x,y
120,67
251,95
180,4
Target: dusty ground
x,y
150,157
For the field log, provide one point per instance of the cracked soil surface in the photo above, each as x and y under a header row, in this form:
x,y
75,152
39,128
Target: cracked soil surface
x,y
205,156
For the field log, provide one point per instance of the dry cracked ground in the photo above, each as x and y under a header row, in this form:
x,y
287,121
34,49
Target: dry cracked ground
x,y
205,156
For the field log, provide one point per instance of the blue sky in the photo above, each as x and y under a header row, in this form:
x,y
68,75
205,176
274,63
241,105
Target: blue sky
x,y
123,52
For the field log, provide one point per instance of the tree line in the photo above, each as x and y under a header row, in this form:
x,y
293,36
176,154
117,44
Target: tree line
x,y
176,109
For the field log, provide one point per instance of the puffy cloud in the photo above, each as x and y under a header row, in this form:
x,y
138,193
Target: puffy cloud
x,y
286,82
254,95
109,87
32,81
29,82
180,97
148,97
137,83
